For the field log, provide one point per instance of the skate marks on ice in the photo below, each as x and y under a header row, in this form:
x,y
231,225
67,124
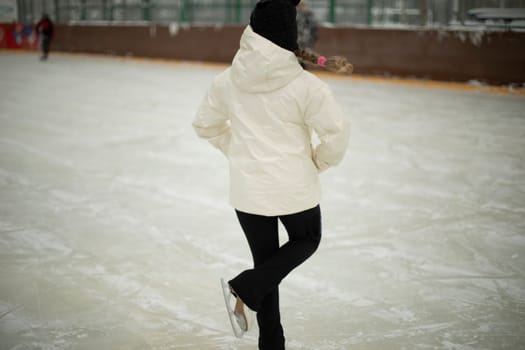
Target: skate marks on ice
x,y
430,225
115,228
96,247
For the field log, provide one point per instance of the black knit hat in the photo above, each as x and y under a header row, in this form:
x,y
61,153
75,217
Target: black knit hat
x,y
276,21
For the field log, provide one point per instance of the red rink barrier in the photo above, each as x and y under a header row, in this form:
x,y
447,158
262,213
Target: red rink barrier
x,y
18,36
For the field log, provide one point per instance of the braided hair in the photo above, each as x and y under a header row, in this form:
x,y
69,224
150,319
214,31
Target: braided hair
x,y
336,64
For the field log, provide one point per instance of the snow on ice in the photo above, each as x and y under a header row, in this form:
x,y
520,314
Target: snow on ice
x,y
115,227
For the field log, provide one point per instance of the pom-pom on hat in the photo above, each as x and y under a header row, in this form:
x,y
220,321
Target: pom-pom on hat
x,y
276,21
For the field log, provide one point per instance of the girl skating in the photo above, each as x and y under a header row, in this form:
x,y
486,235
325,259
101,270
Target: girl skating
x,y
260,113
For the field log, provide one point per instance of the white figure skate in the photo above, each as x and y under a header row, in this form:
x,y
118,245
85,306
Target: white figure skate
x,y
241,323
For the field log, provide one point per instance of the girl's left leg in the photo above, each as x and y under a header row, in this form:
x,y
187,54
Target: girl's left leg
x,y
263,238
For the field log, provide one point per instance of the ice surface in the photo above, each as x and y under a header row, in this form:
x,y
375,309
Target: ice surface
x,y
115,227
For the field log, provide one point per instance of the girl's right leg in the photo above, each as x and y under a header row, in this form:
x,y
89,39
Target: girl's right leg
x,y
271,334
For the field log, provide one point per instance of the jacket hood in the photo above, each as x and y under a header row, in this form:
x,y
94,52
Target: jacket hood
x,y
262,66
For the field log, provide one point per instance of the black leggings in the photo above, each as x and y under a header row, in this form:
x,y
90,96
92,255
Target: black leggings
x,y
259,287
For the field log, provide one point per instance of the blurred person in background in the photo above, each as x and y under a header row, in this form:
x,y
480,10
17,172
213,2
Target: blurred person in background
x,y
44,28
306,27
261,113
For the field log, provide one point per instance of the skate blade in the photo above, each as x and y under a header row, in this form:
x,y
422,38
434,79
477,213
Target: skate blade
x,y
232,315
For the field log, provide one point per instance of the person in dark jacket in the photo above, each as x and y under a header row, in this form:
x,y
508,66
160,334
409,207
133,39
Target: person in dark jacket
x,y
45,30
306,27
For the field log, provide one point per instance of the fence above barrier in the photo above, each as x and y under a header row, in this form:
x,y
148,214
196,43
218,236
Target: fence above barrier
x,y
377,13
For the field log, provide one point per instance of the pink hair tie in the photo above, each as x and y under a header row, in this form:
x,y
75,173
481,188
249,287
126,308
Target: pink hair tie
x,y
321,61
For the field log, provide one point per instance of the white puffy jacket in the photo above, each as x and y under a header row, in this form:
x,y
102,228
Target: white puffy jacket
x,y
260,113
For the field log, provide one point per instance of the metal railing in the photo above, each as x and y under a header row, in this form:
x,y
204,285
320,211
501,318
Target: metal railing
x,y
331,12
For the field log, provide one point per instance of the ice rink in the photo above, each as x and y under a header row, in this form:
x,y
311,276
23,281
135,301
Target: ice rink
x,y
115,225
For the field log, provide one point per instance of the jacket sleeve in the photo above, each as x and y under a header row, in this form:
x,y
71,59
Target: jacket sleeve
x,y
324,116
211,121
